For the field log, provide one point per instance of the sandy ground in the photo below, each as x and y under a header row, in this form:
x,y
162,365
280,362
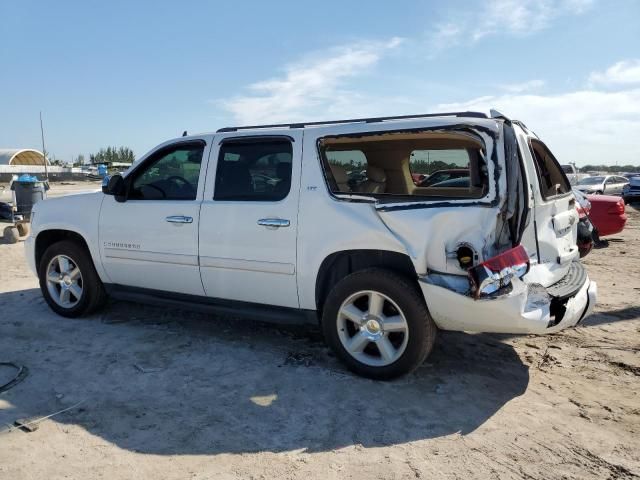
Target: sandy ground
x,y
179,395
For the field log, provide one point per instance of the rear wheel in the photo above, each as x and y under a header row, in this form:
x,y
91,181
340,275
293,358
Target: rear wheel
x,y
69,281
377,323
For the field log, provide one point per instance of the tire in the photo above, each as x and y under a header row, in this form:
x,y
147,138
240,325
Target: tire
x,y
401,301
599,192
23,229
11,235
92,294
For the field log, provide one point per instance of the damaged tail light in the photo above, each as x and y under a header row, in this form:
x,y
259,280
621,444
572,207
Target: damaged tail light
x,y
497,272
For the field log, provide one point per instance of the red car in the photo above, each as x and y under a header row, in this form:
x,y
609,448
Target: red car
x,y
600,215
607,214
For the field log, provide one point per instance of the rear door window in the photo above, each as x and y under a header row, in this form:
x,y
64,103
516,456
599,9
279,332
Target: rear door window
x,y
254,171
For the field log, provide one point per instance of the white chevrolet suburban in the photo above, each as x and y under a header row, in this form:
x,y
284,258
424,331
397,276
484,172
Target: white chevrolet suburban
x,y
324,222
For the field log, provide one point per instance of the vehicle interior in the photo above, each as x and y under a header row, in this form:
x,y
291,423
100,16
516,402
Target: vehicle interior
x,y
399,164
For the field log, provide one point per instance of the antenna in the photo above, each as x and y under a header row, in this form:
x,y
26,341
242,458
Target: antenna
x,y
44,152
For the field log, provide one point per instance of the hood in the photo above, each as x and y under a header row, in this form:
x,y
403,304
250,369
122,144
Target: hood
x,y
588,188
76,200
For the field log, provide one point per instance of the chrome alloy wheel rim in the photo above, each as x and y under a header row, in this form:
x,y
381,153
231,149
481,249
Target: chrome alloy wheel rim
x,y
372,328
64,281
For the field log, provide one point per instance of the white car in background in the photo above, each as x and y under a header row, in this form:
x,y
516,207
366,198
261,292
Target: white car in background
x,y
380,262
602,184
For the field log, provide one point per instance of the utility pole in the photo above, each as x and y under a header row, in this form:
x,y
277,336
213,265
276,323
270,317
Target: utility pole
x,y
44,152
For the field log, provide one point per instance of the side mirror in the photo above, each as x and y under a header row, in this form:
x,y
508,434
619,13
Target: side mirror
x,y
114,185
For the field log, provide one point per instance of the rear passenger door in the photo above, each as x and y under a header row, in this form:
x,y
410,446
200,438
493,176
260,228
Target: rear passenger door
x,y
249,219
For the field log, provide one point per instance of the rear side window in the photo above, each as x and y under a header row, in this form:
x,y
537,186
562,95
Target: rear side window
x,y
254,170
553,182
406,165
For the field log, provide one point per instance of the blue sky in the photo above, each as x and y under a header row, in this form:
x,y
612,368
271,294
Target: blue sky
x,y
137,73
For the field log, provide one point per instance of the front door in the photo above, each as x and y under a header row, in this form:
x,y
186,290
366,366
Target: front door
x,y
150,240
249,219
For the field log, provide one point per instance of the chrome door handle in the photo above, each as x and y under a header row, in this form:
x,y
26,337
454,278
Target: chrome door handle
x,y
179,219
274,222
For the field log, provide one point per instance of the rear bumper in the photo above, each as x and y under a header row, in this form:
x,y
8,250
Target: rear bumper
x,y
611,224
526,309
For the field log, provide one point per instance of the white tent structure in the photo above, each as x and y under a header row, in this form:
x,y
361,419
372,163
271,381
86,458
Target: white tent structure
x,y
22,157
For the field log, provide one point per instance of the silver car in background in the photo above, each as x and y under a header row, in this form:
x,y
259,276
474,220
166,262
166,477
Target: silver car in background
x,y
602,184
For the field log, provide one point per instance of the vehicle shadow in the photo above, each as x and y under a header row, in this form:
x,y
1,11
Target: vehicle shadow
x,y
611,316
166,381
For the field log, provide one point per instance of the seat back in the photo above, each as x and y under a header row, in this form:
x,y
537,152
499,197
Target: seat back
x,y
376,181
233,181
341,178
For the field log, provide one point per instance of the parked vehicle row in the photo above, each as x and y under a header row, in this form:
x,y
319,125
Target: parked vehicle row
x,y
264,221
601,184
631,191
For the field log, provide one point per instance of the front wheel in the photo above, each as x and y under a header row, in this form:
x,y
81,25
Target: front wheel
x,y
377,323
69,281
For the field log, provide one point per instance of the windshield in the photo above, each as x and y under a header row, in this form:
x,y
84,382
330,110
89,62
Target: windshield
x,y
591,181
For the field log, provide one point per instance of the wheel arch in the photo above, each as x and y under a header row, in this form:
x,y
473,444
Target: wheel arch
x,y
46,238
339,264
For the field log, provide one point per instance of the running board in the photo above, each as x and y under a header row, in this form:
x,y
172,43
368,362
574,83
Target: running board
x,y
235,308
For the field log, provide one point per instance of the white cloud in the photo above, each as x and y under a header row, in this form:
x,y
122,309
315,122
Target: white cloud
x,y
524,86
626,72
308,85
586,126
494,17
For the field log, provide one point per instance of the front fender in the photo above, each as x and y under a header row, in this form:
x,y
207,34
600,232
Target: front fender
x,y
79,214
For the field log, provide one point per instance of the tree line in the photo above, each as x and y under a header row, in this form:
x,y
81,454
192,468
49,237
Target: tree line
x,y
611,168
416,166
112,154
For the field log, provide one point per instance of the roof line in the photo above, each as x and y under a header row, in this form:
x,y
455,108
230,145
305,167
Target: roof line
x,y
354,120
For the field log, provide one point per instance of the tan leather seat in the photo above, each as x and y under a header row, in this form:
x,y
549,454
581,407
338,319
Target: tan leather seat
x,y
341,178
376,181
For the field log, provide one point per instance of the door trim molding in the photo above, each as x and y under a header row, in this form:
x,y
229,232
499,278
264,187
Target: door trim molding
x,y
248,265
147,256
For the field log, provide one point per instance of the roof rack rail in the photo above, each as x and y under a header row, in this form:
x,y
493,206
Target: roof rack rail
x,y
354,120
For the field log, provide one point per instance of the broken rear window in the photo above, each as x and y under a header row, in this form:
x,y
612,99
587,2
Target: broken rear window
x,y
552,179
406,164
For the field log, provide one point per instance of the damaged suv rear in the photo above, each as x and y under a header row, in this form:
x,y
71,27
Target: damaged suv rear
x,y
493,250
384,229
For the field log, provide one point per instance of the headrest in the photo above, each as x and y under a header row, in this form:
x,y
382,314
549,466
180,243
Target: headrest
x,y
339,174
376,174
